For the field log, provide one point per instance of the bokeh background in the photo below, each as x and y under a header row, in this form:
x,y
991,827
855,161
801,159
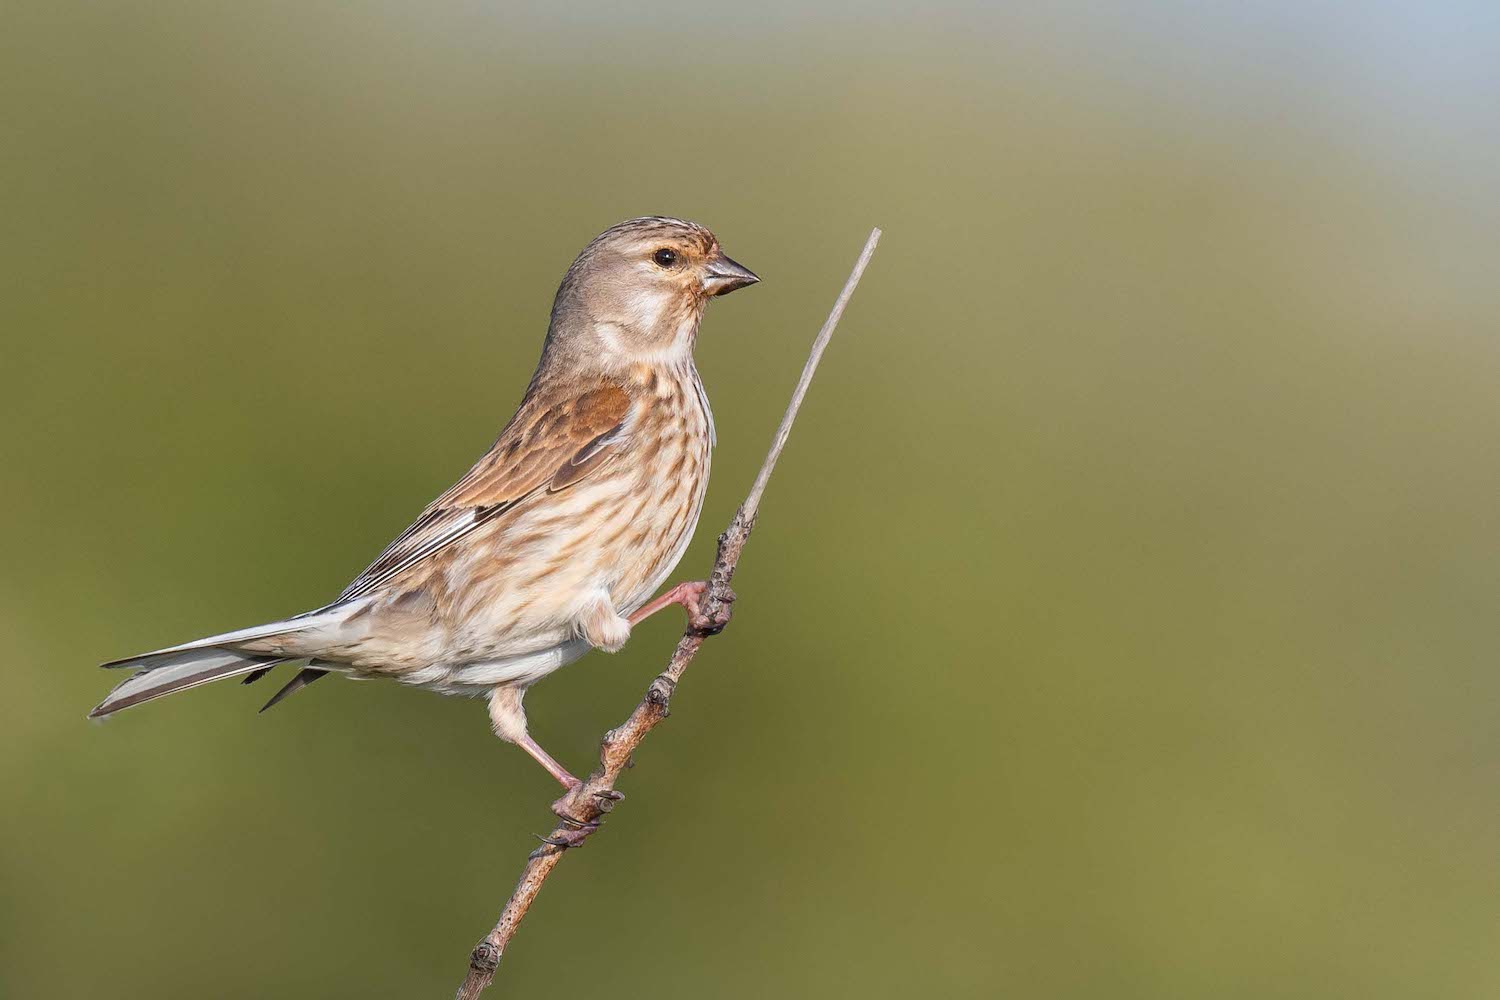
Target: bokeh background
x,y
1122,618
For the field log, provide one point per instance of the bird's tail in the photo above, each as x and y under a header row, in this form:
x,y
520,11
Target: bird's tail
x,y
178,668
178,672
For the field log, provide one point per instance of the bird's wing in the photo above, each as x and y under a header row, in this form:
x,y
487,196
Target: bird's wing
x,y
551,443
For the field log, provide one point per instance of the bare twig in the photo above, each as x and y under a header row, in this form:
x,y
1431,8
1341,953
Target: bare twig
x,y
582,809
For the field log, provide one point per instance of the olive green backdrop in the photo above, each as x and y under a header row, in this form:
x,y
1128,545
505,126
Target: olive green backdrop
x,y
1121,621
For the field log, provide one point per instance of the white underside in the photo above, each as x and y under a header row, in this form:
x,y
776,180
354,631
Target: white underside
x,y
521,670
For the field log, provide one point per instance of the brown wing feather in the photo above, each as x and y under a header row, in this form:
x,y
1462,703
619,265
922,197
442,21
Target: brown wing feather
x,y
553,441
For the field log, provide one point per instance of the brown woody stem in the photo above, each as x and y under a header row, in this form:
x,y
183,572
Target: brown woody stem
x,y
583,807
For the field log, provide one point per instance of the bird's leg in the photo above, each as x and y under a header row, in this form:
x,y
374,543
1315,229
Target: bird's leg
x,y
545,759
690,595
509,721
601,625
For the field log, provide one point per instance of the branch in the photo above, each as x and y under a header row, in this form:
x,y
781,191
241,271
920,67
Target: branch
x,y
582,808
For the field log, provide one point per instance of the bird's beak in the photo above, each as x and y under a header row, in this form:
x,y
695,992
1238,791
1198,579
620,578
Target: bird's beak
x,y
723,276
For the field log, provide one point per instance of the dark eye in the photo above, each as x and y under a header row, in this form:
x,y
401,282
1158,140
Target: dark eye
x,y
665,257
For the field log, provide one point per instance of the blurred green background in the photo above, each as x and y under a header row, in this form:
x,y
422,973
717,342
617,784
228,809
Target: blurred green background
x,y
1121,621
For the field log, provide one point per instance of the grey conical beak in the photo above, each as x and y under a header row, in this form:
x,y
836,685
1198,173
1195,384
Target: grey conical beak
x,y
723,276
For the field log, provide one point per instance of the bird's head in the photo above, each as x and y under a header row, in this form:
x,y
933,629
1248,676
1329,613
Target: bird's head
x,y
637,292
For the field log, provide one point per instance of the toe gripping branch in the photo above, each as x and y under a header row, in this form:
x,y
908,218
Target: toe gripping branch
x,y
717,607
581,812
582,809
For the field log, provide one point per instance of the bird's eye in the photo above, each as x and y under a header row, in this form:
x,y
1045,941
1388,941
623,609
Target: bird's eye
x,y
665,257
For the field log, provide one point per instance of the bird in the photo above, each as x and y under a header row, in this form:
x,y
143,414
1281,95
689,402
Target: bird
x,y
554,542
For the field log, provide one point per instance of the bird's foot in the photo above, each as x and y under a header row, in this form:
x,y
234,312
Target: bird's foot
x,y
580,818
565,800
705,620
692,595
569,837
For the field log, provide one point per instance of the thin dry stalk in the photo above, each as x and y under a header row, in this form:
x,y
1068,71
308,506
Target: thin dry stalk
x,y
582,809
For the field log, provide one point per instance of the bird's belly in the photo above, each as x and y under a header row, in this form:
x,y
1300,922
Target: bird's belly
x,y
651,568
518,670
503,606
662,529
522,588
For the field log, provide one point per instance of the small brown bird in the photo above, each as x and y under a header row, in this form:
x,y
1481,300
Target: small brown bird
x,y
556,539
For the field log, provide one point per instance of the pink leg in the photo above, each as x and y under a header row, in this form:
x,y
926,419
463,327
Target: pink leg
x,y
571,784
687,594
509,720
690,596
544,758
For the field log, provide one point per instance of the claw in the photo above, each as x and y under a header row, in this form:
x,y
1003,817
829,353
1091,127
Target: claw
x,y
705,623
567,839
